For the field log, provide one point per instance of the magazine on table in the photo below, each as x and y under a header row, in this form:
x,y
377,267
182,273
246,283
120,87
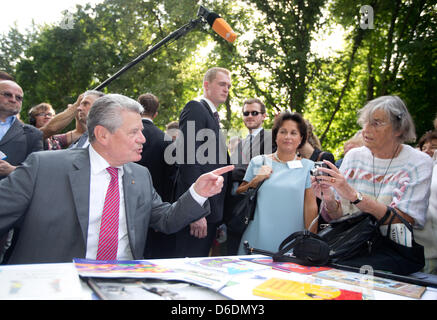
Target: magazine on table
x,y
143,269
373,282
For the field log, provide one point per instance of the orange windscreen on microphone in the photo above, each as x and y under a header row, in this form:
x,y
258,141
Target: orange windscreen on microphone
x,y
224,30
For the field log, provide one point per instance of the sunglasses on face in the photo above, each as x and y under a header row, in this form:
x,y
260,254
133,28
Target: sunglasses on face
x,y
253,113
9,95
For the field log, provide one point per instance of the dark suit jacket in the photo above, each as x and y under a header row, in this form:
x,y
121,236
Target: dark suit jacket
x,y
192,146
262,143
20,141
153,159
49,194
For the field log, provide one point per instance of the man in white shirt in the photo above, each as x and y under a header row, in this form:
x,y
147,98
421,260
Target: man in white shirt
x,y
59,197
82,113
17,140
258,141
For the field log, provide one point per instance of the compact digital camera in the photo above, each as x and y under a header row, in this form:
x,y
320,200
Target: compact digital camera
x,y
319,164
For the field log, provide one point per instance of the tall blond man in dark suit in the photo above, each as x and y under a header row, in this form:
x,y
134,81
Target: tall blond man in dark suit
x,y
203,148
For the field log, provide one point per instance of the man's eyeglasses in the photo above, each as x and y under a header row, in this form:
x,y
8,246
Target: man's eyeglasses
x,y
253,113
9,95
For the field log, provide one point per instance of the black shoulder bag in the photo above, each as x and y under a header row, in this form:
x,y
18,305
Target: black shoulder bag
x,y
243,209
342,239
351,235
301,247
387,255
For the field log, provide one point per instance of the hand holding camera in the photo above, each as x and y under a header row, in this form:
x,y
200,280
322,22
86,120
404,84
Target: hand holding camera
x,y
316,172
326,177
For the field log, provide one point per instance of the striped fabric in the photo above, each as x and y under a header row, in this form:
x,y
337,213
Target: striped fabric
x,y
108,237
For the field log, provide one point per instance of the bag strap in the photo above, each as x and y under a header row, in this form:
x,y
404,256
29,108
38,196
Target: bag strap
x,y
403,220
385,217
259,184
283,247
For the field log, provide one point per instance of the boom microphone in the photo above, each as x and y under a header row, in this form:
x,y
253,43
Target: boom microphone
x,y
220,26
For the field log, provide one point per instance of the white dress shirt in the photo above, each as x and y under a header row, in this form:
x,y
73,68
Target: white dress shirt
x,y
255,132
210,104
99,182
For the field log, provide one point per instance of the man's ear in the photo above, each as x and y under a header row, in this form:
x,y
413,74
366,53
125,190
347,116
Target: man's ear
x,y
264,115
101,134
205,86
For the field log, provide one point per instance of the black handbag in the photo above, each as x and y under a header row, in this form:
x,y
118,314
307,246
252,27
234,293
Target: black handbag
x,y
350,243
243,210
387,255
308,249
301,247
351,235
342,239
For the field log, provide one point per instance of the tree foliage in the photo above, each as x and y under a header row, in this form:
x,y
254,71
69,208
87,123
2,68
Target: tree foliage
x,y
396,57
280,51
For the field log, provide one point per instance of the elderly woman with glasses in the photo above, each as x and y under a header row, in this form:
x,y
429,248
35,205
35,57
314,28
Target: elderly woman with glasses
x,y
39,116
384,172
286,202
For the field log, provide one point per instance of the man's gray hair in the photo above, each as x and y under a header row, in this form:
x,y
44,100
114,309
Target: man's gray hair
x,y
397,111
106,112
93,93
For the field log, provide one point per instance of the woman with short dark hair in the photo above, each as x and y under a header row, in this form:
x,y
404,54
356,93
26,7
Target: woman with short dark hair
x,y
285,202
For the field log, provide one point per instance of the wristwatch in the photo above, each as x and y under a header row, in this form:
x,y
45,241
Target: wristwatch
x,y
359,198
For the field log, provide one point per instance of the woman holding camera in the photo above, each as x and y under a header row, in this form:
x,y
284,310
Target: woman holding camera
x,y
384,172
285,202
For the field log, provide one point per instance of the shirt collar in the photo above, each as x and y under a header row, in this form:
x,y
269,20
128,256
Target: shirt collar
x,y
255,132
98,163
9,120
210,104
148,119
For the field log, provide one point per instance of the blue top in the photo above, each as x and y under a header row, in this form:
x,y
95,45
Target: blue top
x,y
279,210
4,126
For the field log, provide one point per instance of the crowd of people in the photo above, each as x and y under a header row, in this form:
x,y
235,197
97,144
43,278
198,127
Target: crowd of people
x,y
118,187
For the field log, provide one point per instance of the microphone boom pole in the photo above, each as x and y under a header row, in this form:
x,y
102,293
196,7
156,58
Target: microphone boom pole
x,y
175,35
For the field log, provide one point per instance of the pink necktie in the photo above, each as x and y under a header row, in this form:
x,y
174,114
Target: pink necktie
x,y
108,237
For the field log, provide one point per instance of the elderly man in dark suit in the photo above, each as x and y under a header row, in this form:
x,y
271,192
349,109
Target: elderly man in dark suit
x,y
94,202
159,245
201,147
17,140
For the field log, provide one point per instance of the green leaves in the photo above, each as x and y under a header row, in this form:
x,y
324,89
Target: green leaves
x,y
271,58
